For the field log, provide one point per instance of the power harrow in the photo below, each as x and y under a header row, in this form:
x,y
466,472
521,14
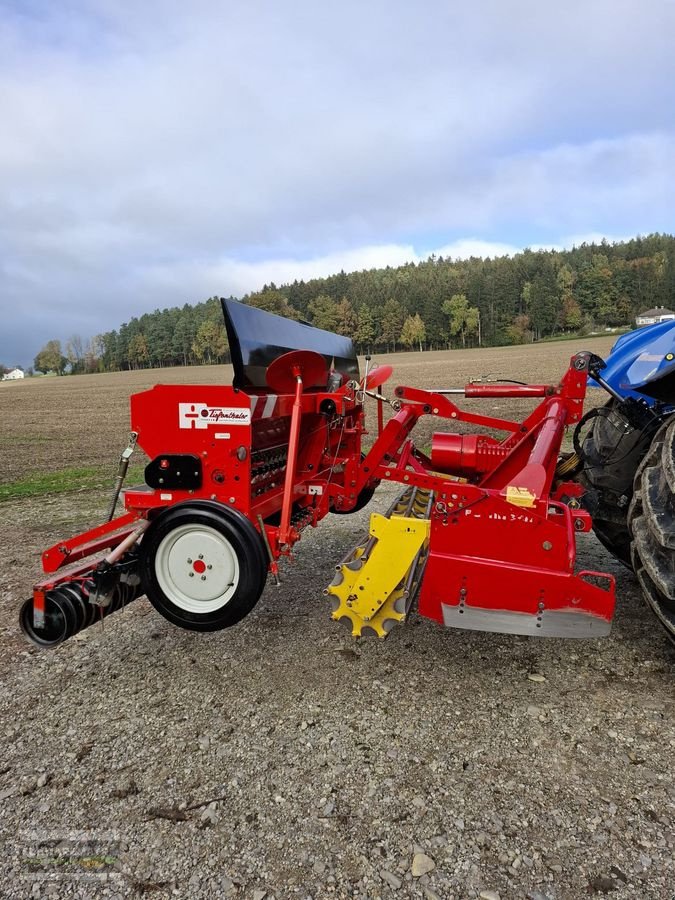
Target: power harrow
x,y
482,532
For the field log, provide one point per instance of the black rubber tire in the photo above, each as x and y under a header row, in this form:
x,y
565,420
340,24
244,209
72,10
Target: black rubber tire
x,y
651,523
615,538
245,543
610,459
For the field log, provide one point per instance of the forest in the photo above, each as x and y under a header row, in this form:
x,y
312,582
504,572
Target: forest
x,y
438,303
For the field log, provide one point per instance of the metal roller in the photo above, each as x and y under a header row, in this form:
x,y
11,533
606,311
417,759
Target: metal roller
x,y
68,611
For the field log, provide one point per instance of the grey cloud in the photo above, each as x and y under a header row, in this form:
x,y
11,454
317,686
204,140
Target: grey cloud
x,y
152,149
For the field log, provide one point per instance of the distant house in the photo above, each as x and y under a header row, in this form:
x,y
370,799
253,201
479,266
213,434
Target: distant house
x,y
651,316
13,375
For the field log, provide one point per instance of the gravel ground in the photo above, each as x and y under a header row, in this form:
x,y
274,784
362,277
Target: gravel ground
x,y
281,758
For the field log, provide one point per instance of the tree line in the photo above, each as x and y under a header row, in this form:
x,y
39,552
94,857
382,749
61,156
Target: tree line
x,y
438,303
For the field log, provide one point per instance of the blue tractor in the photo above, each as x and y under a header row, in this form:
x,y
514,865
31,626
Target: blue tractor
x,y
624,454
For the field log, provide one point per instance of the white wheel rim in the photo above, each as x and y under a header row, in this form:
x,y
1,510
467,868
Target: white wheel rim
x,y
197,568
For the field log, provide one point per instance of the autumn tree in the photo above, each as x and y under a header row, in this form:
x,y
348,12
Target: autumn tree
x,y
138,351
569,313
210,343
347,318
93,354
75,353
414,332
51,359
464,320
519,331
272,300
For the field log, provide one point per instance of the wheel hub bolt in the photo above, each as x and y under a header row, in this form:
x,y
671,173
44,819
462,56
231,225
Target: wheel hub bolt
x,y
191,574
203,577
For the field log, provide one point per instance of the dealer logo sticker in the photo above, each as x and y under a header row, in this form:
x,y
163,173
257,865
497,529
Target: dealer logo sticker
x,y
199,415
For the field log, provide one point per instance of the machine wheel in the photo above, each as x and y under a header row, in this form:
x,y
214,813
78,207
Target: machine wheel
x,y
203,566
651,522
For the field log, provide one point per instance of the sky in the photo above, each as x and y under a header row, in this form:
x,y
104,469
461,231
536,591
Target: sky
x,y
160,152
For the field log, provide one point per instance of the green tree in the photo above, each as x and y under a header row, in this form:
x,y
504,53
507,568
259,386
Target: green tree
x,y
413,331
51,359
364,335
272,300
392,323
324,313
184,335
543,304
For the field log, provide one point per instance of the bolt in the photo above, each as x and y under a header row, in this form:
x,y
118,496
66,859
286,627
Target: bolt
x,y
201,556
191,574
209,567
203,577
189,561
547,545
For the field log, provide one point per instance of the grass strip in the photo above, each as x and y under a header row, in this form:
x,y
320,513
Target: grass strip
x,y
78,478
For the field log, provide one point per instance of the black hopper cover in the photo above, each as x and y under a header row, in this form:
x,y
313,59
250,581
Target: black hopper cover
x,y
257,338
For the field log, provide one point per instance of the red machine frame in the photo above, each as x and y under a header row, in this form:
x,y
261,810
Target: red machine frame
x,y
503,526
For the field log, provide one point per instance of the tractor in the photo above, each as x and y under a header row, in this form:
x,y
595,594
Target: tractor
x,y
482,531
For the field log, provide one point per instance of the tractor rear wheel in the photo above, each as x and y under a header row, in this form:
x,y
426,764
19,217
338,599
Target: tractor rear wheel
x,y
610,455
203,565
651,523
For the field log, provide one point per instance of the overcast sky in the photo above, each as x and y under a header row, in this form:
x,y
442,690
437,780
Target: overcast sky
x,y
159,152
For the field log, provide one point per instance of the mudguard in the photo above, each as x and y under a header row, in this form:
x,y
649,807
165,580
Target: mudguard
x,y
641,364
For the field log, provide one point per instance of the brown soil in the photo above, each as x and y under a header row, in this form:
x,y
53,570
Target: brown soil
x,y
332,763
